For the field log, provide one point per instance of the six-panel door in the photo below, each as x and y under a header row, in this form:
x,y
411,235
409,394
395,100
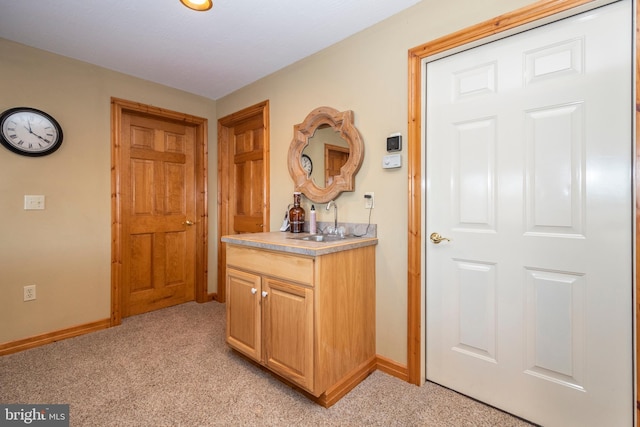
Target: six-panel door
x,y
529,166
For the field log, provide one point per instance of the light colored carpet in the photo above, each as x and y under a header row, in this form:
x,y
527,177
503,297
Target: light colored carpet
x,y
172,368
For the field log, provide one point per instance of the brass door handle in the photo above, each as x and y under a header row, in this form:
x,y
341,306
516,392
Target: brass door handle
x,y
437,238
187,222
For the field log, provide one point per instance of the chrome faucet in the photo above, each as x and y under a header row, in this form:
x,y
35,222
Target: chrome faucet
x,y
335,216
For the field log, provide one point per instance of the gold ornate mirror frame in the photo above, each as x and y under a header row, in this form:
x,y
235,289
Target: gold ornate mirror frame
x,y
341,122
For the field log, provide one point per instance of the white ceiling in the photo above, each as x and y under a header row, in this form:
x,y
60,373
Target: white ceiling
x,y
208,53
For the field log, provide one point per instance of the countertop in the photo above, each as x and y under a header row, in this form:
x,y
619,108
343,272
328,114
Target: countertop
x,y
283,241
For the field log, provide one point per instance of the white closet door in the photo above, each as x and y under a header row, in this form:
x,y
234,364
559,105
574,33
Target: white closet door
x,y
529,174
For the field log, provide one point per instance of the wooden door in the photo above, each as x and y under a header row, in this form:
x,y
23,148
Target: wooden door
x,y
334,158
529,177
246,159
243,177
287,316
158,179
158,207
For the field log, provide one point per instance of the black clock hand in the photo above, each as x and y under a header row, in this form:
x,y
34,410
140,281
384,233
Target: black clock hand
x,y
33,133
40,137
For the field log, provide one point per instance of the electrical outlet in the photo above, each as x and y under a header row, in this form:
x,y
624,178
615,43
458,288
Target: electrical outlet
x,y
29,292
369,200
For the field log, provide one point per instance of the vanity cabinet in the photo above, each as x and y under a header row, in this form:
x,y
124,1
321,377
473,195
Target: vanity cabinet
x,y
271,321
308,318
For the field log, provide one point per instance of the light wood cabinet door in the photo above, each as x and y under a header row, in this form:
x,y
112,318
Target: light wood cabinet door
x,y
288,331
244,326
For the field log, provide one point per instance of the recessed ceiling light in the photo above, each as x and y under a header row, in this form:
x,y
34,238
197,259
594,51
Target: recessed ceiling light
x,y
200,5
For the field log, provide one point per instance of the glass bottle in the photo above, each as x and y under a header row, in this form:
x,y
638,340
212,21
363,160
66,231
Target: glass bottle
x,y
296,215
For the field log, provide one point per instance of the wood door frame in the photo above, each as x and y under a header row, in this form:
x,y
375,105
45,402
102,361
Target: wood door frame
x,y
508,21
225,126
118,108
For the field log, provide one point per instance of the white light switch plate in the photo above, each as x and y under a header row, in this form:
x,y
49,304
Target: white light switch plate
x,y
33,203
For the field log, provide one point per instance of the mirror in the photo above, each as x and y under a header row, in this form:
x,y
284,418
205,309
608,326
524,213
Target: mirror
x,y
333,147
324,156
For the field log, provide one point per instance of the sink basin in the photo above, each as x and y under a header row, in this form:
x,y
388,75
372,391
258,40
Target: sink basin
x,y
320,238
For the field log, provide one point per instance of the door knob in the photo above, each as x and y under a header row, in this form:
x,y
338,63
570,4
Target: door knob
x,y
187,222
253,291
437,238
264,294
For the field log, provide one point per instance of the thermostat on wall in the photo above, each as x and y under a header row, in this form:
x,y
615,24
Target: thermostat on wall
x,y
394,142
392,161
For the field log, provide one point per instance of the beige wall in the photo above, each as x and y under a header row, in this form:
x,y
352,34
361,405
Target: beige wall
x,y
65,250
366,73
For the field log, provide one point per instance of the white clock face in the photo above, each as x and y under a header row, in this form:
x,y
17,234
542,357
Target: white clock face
x,y
306,164
30,132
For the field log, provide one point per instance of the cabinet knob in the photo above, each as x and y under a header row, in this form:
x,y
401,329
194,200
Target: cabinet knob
x,y
253,291
264,294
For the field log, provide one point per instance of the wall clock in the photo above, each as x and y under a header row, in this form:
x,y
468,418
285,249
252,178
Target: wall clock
x,y
307,165
29,132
